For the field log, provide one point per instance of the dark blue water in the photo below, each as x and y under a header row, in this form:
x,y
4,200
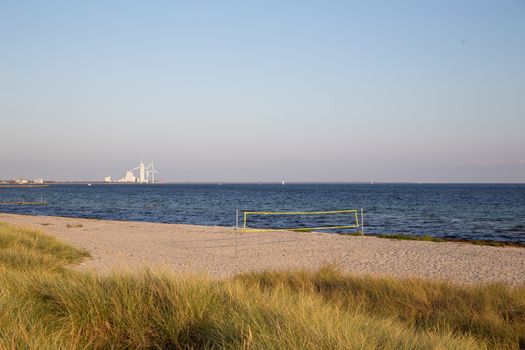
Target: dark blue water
x,y
494,212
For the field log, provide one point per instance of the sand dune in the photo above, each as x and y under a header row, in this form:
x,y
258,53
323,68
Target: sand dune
x,y
222,251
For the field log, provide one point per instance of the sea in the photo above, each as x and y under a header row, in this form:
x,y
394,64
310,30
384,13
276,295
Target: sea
x,y
456,211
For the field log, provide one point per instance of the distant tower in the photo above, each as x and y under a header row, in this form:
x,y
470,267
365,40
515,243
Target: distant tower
x,y
142,178
150,173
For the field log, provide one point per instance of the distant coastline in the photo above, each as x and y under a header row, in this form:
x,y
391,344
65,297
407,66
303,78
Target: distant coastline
x,y
4,183
22,186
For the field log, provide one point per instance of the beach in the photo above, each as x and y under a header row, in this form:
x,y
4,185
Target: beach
x,y
223,251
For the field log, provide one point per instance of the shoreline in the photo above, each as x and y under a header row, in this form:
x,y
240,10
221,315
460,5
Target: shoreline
x,y
394,236
223,251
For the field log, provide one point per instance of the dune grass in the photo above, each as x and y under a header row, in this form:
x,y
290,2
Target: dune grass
x,y
23,249
492,313
44,305
428,238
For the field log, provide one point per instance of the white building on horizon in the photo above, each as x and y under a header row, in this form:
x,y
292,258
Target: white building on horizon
x,y
128,178
38,180
146,175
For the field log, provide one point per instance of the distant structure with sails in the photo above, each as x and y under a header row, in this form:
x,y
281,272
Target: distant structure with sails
x,y
146,175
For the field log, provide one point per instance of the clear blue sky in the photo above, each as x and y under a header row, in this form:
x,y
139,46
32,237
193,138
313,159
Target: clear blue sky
x,y
264,90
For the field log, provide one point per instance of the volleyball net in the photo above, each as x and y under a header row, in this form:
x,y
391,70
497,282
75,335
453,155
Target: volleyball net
x,y
261,221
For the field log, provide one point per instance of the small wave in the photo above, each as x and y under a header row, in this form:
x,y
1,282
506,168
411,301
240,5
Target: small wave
x,y
515,228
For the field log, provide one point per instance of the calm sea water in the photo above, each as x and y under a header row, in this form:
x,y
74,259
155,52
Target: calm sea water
x,y
495,212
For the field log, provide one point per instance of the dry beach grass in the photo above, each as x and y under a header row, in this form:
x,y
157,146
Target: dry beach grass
x,y
49,306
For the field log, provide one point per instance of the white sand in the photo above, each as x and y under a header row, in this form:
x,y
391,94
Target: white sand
x,y
188,248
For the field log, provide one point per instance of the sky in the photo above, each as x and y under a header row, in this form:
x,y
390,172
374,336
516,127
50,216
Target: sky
x,y
248,91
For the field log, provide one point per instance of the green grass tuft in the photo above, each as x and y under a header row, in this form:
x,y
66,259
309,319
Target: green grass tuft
x,y
74,225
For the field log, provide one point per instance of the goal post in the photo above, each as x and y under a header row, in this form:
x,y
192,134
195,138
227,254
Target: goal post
x,y
353,213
